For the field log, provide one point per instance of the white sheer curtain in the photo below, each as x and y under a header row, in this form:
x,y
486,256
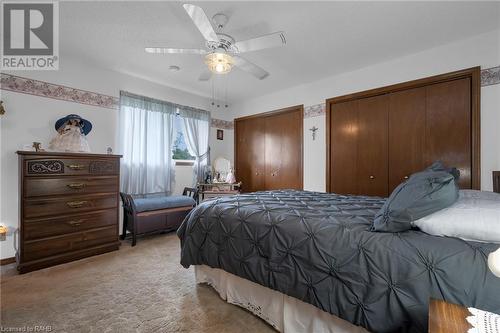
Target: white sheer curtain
x,y
197,128
146,138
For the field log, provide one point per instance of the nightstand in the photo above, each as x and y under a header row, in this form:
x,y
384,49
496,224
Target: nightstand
x,y
446,317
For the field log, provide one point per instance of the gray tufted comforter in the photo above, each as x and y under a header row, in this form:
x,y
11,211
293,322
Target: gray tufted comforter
x,y
317,247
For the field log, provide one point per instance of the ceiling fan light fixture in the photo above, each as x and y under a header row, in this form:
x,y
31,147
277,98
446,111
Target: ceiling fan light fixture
x,y
219,62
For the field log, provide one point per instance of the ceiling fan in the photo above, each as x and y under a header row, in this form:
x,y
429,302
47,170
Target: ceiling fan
x,y
222,51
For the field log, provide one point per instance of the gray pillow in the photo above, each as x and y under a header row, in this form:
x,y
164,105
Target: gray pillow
x,y
426,192
439,166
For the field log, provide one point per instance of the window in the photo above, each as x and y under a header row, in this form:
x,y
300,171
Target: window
x,y
146,136
179,149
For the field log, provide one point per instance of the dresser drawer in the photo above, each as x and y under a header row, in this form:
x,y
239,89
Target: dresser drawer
x,y
40,186
37,249
70,166
35,229
68,205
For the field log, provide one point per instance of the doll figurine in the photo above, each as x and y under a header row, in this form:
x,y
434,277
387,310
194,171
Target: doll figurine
x,y
230,177
71,135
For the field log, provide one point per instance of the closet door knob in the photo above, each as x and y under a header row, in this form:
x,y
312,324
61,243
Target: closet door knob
x,y
372,177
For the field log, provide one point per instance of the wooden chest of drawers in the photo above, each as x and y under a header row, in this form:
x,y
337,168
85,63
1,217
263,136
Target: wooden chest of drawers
x,y
68,207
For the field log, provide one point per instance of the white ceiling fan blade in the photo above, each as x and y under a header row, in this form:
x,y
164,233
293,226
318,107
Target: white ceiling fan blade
x,y
263,42
205,76
167,50
249,67
201,21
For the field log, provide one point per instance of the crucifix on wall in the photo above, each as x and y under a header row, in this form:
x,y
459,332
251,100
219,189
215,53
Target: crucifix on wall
x,y
313,130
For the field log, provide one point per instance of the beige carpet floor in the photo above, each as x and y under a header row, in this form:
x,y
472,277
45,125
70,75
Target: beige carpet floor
x,y
139,289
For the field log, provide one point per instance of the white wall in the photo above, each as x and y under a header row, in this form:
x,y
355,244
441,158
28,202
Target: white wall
x,y
31,118
222,148
482,50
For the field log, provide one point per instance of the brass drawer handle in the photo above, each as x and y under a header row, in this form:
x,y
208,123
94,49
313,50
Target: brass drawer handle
x,y
406,177
76,166
75,223
76,186
372,177
76,204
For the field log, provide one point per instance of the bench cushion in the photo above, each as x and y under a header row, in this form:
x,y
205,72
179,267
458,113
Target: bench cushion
x,y
145,204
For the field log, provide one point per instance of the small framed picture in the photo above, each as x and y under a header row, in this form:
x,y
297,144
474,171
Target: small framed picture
x,y
220,134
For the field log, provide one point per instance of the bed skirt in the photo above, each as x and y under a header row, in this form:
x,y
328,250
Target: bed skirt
x,y
286,314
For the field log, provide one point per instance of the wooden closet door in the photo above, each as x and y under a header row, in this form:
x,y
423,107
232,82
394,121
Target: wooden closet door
x,y
343,147
250,159
406,134
283,150
372,159
448,126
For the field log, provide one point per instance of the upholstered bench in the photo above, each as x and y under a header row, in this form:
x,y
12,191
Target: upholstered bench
x,y
144,214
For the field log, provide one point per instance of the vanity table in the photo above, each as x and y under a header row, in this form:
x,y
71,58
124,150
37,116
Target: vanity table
x,y
213,190
220,186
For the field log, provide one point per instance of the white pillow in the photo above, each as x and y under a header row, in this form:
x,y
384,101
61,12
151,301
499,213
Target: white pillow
x,y
475,216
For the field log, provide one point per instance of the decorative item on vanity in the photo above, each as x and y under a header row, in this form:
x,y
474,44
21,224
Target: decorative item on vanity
x,y
3,232
313,132
37,146
208,174
2,109
109,151
71,135
6,231
230,179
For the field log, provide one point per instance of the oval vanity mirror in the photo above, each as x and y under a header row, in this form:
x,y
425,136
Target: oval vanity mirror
x,y
221,166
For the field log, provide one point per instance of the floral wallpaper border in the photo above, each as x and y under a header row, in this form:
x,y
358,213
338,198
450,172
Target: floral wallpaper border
x,y
489,76
314,110
55,91
222,124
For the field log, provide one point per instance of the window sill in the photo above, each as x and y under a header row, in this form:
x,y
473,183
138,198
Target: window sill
x,y
184,162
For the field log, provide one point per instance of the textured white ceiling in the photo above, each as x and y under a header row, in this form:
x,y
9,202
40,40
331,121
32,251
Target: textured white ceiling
x,y
323,38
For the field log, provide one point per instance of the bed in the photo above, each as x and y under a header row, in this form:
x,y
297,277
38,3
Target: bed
x,y
317,248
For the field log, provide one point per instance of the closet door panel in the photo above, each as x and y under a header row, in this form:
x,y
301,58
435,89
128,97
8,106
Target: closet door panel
x,y
250,159
343,147
283,150
406,134
372,159
448,132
